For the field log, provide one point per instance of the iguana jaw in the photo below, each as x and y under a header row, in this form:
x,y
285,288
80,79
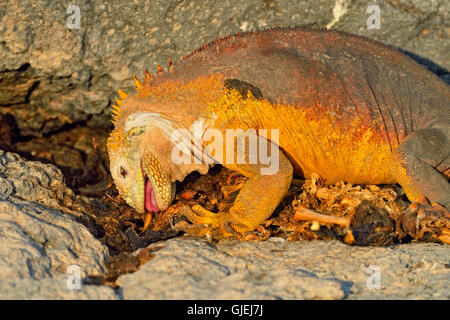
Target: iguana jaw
x,y
159,190
142,142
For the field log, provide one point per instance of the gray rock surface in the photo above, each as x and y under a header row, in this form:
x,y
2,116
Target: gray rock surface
x,y
52,288
32,180
278,269
419,27
39,242
51,75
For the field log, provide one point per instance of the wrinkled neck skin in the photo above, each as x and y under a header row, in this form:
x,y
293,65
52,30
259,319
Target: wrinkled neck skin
x,y
164,134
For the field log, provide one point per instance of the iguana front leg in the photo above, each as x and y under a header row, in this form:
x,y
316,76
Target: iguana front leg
x,y
417,163
256,201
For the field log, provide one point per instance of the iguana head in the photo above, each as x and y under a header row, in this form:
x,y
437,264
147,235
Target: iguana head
x,y
140,151
141,144
140,168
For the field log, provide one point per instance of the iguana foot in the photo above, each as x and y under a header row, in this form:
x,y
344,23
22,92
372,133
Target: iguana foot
x,y
257,200
424,209
422,217
218,225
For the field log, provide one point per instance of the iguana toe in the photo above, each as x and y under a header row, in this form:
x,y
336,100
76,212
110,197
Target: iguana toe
x,y
219,225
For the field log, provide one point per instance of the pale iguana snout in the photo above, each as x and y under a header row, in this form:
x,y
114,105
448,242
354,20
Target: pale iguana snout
x,y
141,151
141,173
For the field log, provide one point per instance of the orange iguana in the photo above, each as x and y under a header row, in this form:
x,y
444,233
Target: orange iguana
x,y
345,107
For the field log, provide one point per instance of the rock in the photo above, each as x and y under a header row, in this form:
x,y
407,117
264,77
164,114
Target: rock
x,y
192,269
54,288
416,26
51,75
278,269
39,243
34,181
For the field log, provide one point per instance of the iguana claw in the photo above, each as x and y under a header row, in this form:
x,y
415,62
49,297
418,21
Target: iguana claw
x,y
147,220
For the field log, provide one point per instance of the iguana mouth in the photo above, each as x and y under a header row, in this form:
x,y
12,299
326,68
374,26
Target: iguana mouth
x,y
149,197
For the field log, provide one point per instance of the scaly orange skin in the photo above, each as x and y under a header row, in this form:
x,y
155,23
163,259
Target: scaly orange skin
x,y
342,104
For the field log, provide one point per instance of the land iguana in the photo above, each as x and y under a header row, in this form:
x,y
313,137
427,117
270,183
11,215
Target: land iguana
x,y
347,108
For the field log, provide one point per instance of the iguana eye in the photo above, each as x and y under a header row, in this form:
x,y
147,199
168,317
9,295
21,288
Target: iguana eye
x,y
123,172
136,131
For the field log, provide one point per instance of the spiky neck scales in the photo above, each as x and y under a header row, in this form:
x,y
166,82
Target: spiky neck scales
x,y
143,89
